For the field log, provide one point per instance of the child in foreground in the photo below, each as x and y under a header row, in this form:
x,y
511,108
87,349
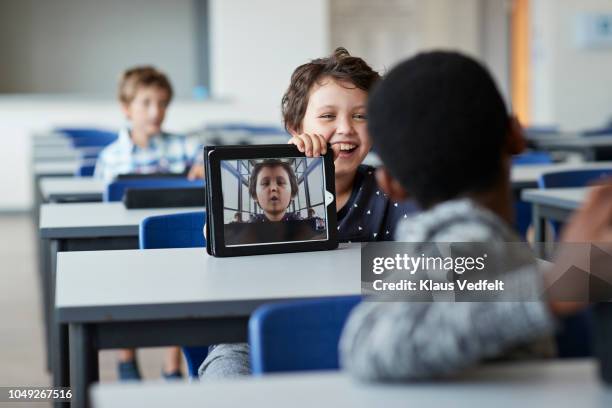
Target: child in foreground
x,y
445,137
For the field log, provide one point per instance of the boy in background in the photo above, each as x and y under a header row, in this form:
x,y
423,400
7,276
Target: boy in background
x,y
142,147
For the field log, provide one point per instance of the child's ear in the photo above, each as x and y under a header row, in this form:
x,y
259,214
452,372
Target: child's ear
x,y
390,186
516,142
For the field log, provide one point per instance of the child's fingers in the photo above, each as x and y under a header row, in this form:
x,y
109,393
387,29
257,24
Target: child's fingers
x,y
307,144
316,145
299,143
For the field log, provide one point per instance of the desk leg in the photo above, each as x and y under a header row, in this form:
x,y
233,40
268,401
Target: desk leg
x,y
83,364
61,374
59,332
539,227
44,268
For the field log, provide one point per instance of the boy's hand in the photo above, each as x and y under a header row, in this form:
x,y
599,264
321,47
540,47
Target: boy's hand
x,y
196,172
312,145
591,224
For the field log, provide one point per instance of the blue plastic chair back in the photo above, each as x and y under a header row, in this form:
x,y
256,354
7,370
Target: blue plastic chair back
x,y
85,170
572,178
522,210
89,137
296,336
534,157
183,230
114,191
177,231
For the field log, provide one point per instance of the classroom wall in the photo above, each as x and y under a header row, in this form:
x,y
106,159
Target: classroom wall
x,y
570,87
256,45
81,46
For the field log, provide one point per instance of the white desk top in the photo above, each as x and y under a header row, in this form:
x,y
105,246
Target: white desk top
x,y
57,153
573,141
55,168
539,384
60,187
564,198
87,220
187,282
531,173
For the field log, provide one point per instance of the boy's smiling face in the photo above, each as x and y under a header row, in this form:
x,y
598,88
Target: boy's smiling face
x,y
147,110
337,111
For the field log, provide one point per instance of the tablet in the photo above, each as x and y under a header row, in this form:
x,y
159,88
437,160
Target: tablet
x,y
268,199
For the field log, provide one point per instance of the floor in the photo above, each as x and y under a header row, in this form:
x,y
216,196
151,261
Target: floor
x,y
22,352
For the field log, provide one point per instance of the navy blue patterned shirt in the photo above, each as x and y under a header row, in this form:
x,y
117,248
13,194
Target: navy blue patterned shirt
x,y
369,215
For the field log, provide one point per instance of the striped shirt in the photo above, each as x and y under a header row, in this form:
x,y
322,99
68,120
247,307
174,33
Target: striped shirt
x,y
166,153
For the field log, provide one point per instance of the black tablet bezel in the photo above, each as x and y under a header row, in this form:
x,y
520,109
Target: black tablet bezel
x,y
213,155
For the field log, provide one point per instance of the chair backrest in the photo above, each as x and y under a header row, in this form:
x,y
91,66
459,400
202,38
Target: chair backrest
x,y
114,191
85,170
89,137
297,336
183,230
572,178
535,157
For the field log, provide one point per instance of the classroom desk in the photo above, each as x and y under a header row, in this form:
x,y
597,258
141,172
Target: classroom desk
x,y
526,176
84,227
554,203
592,147
182,296
558,384
61,153
50,139
71,189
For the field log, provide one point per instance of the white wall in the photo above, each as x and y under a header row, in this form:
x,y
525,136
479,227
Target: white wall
x,y
82,46
571,87
256,45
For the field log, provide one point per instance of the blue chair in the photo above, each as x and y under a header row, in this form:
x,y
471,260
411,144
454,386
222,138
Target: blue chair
x,y
177,231
533,157
85,170
114,191
572,178
89,137
522,210
296,336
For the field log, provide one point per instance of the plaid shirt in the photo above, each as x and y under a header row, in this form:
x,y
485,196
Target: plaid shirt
x,y
166,153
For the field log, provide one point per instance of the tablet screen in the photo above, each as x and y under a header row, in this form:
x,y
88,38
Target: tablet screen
x,y
273,201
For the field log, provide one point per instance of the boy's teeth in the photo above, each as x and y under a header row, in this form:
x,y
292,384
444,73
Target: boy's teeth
x,y
346,146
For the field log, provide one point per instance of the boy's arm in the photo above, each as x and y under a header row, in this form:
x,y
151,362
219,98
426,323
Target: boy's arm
x,y
402,341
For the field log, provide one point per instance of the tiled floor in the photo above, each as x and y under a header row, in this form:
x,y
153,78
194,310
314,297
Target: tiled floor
x,y
22,353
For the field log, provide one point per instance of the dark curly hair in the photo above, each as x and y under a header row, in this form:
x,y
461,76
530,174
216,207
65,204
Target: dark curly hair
x,y
272,163
340,65
439,124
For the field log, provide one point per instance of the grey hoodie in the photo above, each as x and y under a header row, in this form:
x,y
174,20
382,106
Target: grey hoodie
x,y
401,341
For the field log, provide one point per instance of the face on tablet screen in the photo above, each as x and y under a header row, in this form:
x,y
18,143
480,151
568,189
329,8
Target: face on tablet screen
x,y
273,201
